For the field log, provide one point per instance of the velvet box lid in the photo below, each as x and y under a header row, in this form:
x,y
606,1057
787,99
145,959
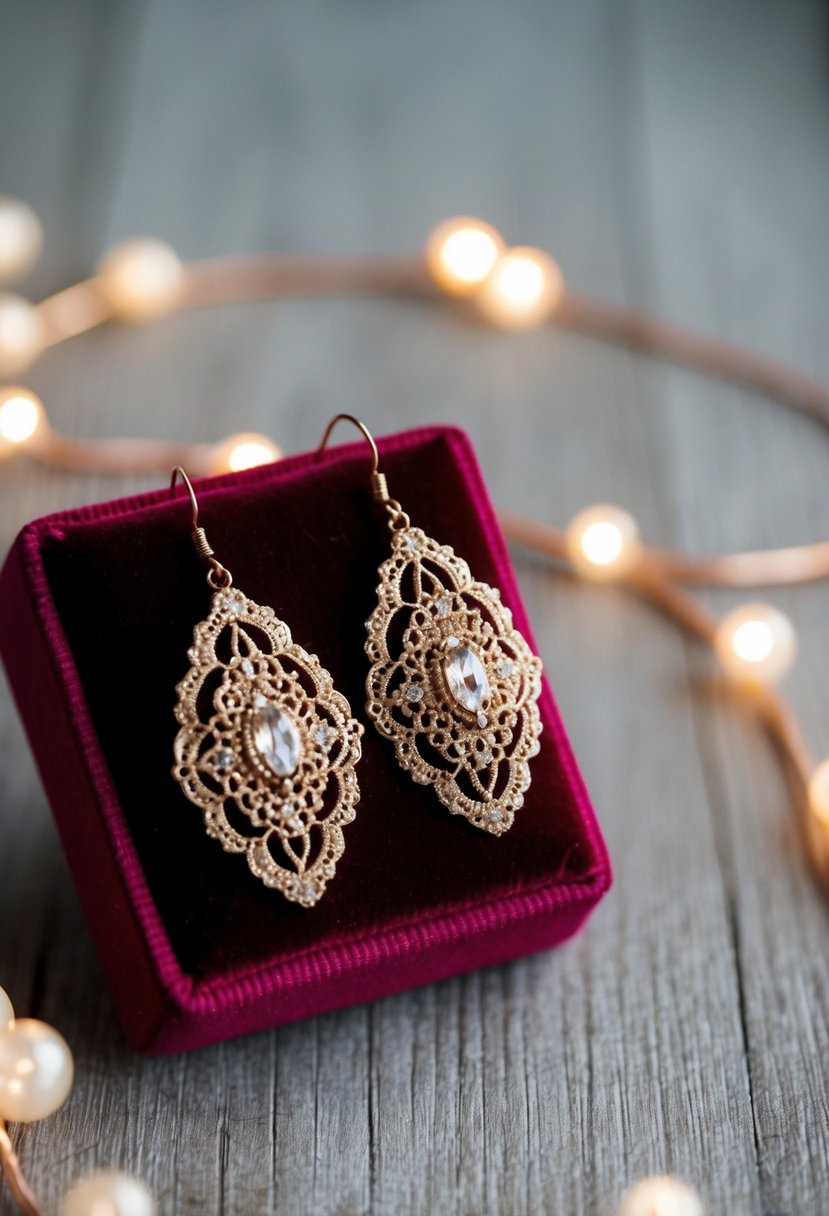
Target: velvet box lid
x,y
97,609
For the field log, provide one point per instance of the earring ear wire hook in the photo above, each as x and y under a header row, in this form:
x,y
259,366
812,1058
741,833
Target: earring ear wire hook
x,y
217,575
178,471
366,433
379,486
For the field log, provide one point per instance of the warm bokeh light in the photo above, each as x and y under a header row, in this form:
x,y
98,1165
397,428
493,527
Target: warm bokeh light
x,y
142,279
109,1193
21,238
245,451
663,1196
20,333
461,252
819,793
756,643
602,541
523,289
21,414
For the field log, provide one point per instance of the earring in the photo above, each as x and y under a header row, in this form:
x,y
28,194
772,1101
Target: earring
x,y
266,747
452,683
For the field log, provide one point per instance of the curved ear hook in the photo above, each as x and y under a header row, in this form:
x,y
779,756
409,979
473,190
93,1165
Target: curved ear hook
x,y
217,575
178,471
379,486
361,426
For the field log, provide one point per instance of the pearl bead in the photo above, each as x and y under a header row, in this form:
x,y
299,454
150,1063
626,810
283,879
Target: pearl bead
x,y
602,541
21,238
20,333
35,1071
6,1010
756,644
245,451
108,1193
661,1197
461,252
819,793
522,290
142,279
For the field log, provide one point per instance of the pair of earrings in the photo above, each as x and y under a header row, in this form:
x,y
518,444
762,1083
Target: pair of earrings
x,y
267,748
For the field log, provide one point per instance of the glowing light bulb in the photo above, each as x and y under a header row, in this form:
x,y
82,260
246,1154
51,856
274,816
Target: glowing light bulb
x,y
661,1197
20,333
21,415
603,541
756,643
819,793
141,278
522,290
461,252
21,238
245,451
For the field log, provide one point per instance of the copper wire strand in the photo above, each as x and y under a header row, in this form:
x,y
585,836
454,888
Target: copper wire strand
x,y
656,577
649,578
13,1172
222,281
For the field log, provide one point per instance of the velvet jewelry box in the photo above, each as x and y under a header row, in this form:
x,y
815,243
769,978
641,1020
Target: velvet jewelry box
x,y
97,610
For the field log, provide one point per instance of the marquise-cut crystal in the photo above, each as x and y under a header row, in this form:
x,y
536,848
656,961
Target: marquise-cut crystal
x,y
466,678
276,740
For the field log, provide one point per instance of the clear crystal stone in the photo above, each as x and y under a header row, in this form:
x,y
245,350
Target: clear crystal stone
x,y
223,759
276,740
495,816
322,735
466,679
247,667
443,605
412,542
482,719
506,668
414,693
452,642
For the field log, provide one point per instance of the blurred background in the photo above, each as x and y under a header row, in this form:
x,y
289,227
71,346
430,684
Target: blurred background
x,y
670,155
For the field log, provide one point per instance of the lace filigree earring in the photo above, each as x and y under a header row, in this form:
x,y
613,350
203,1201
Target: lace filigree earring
x,y
267,747
452,683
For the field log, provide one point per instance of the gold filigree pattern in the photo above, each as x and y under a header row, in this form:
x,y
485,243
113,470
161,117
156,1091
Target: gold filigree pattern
x,y
267,747
452,683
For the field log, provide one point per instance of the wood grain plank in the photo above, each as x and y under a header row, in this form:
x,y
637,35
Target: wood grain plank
x,y
738,251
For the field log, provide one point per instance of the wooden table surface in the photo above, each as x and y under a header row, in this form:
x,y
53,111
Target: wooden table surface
x,y
671,155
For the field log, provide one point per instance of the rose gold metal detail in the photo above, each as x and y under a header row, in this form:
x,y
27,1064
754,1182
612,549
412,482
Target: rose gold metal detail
x,y
19,1187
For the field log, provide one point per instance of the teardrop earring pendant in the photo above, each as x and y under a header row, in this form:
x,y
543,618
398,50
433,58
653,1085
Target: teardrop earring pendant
x,y
266,747
453,684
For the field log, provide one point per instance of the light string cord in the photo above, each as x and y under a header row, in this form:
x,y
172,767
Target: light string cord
x,y
465,262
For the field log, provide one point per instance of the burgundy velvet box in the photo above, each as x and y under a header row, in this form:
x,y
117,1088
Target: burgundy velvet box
x,y
97,609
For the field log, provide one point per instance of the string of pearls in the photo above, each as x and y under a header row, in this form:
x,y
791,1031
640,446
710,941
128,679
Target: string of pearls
x,y
513,288
36,1072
